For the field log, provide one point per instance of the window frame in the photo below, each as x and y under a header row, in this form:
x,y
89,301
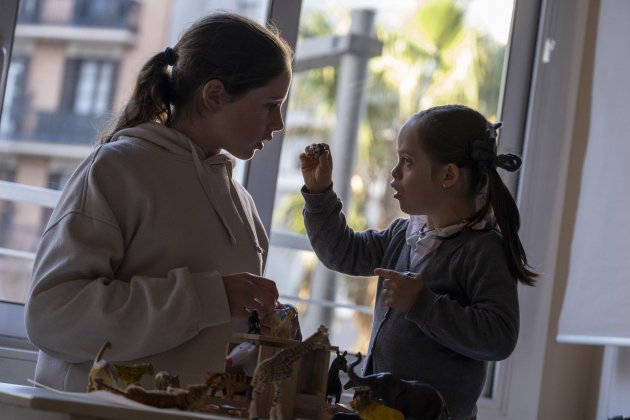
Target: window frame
x,y
524,82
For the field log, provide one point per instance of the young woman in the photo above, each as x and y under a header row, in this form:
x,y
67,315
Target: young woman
x,y
153,246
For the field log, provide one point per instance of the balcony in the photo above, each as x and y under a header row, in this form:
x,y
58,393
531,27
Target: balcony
x,y
120,14
79,20
53,128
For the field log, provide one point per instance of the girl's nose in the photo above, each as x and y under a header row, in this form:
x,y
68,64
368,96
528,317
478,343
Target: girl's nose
x,y
395,172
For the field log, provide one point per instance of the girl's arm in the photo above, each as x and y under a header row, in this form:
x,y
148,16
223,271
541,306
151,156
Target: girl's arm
x,y
336,244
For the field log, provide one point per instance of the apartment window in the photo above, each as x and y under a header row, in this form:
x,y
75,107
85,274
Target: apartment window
x,y
89,86
107,13
29,10
15,98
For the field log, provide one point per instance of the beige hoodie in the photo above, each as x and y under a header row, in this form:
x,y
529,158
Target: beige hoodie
x,y
134,254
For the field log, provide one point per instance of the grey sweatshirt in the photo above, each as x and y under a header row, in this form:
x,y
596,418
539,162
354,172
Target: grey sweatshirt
x,y
134,254
466,314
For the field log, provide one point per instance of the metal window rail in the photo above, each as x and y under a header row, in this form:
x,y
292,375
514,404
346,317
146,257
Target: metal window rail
x,y
48,198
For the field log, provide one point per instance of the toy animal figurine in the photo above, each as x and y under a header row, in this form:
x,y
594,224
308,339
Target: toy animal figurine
x,y
315,150
229,384
191,398
414,399
163,380
101,372
369,409
284,321
333,386
253,322
243,356
131,374
278,369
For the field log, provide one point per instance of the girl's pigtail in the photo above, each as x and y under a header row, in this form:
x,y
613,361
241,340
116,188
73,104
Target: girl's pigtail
x,y
508,218
150,100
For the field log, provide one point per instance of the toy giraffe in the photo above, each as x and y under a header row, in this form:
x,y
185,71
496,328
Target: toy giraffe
x,y
279,368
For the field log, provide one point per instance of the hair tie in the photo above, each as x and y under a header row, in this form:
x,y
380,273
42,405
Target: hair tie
x,y
491,131
170,56
509,162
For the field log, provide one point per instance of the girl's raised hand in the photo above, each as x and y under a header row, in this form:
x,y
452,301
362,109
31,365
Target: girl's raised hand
x,y
400,290
316,165
246,291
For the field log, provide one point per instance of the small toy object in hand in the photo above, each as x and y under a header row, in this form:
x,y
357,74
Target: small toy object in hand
x,y
315,150
253,323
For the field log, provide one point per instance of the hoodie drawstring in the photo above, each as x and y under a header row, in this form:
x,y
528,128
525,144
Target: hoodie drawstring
x,y
207,188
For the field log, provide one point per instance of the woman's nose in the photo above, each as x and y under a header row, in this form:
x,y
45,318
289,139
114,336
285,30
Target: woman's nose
x,y
277,123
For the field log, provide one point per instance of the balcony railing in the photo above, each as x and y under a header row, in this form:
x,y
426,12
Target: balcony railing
x,y
117,14
60,127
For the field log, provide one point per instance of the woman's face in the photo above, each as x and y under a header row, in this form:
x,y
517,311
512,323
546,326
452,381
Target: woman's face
x,y
250,120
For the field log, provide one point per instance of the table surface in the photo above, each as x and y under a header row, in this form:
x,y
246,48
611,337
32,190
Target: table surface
x,y
101,404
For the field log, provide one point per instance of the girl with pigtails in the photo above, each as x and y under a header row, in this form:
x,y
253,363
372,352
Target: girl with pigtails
x,y
446,301
153,246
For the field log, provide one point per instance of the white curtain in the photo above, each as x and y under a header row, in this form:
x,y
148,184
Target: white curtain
x,y
596,307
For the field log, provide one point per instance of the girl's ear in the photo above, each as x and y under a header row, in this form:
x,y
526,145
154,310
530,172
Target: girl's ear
x,y
451,175
213,95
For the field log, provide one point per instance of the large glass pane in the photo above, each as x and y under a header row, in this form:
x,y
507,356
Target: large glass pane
x,y
414,54
73,65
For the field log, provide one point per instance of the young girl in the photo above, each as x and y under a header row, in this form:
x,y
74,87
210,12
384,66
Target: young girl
x,y
446,301
153,246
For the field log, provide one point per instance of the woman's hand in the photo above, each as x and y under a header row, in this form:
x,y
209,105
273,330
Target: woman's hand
x,y
400,290
316,169
246,291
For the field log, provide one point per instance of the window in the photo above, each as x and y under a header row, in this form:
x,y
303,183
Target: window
x,y
14,98
71,67
362,68
407,57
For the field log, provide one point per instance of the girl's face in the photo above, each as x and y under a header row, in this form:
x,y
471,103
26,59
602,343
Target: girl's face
x,y
251,119
417,187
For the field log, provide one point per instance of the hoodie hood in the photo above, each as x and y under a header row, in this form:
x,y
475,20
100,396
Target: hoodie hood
x,y
213,172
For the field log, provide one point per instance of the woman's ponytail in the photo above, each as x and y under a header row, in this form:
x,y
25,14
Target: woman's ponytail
x,y
150,100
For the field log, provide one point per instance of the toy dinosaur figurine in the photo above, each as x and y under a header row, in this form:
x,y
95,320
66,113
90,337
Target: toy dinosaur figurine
x,y
278,369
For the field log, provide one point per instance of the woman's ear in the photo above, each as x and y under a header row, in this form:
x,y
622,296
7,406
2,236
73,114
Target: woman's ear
x,y
213,95
451,174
